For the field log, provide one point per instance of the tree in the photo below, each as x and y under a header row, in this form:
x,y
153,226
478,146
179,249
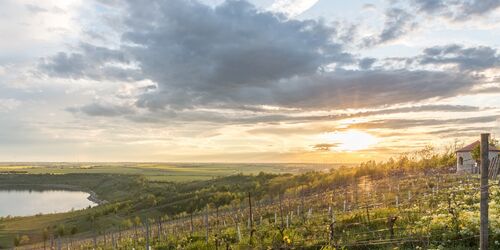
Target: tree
x,y
476,154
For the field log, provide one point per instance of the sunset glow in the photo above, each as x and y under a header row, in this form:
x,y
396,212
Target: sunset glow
x,y
246,80
349,140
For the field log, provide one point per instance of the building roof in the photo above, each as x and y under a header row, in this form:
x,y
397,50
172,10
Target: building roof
x,y
471,146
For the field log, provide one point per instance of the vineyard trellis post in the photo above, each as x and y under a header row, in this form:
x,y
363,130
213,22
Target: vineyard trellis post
x,y
250,216
206,223
160,229
58,242
483,241
147,234
390,223
95,239
191,224
113,245
281,211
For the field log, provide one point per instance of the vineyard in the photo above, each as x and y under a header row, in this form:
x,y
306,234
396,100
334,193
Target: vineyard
x,y
421,211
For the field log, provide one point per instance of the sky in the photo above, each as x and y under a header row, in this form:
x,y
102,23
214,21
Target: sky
x,y
320,81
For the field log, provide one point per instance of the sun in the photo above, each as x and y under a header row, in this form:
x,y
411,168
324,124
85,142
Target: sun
x,y
351,140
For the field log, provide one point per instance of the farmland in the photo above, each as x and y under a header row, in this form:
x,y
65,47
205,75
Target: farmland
x,y
406,203
163,172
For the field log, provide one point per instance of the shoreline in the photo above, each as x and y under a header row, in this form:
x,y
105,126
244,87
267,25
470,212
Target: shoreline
x,y
93,197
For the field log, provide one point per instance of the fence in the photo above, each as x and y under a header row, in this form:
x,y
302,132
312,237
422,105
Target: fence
x,y
365,213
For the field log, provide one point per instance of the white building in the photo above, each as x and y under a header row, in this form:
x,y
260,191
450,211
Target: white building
x,y
465,162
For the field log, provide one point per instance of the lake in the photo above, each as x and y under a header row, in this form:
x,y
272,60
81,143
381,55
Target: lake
x,y
26,202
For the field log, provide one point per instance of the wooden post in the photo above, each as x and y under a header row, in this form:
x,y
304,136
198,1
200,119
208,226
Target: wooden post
x,y
287,224
483,241
281,212
160,228
239,232
250,217
332,232
367,213
147,234
113,243
206,223
191,224
390,223
330,211
356,193
217,218
58,242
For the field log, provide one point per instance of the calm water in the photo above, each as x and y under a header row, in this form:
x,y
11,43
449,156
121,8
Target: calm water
x,y
23,203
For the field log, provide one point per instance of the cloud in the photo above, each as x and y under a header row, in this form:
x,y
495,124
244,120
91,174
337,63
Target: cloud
x,y
255,117
369,6
8,104
292,7
471,58
411,123
99,109
362,89
366,63
324,146
234,56
458,10
35,9
325,91
91,62
398,22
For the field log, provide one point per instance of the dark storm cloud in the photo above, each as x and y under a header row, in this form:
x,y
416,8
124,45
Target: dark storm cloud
x,y
457,9
361,89
398,22
329,90
192,50
472,58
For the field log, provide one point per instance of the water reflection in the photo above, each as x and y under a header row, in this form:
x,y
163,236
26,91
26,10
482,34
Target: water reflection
x,y
31,202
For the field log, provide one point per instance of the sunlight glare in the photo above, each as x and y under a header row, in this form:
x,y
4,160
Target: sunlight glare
x,y
349,140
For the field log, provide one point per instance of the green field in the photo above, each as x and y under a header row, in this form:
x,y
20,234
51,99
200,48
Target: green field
x,y
163,172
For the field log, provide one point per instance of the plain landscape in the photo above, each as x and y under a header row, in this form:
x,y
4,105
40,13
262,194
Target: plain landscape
x,y
413,201
249,124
